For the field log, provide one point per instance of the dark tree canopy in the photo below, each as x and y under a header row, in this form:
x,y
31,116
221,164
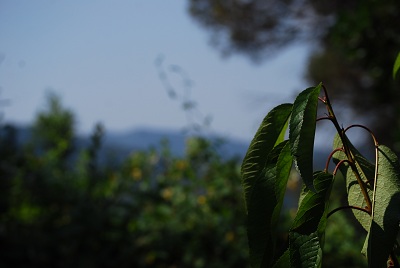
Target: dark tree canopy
x,y
258,28
357,58
355,42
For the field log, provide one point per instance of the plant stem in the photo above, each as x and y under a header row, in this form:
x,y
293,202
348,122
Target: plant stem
x,y
376,162
330,157
347,151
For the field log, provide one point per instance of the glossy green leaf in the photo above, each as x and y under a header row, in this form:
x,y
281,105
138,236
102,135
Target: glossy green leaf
x,y
366,170
396,66
269,134
302,126
264,205
386,209
308,228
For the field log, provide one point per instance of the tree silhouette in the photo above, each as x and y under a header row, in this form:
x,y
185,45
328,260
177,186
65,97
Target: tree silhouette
x,y
355,44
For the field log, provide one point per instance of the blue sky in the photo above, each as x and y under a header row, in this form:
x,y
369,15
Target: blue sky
x,y
99,56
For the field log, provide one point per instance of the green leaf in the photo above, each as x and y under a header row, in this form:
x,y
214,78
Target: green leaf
x,y
302,126
267,137
308,228
283,168
305,250
366,170
265,204
312,205
386,209
283,261
396,66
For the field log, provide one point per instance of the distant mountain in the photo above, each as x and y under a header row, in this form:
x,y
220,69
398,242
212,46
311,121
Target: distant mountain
x,y
118,145
121,144
146,138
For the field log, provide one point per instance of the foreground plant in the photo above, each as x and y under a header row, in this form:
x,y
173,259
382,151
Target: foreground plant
x,y
373,188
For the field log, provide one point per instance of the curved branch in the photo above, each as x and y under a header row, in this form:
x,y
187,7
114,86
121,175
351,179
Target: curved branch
x,y
338,164
324,118
363,127
376,160
347,207
330,157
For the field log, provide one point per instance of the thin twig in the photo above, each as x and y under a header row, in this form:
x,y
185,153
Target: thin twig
x,y
347,207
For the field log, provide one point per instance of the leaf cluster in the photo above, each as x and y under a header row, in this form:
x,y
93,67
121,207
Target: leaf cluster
x,y
372,189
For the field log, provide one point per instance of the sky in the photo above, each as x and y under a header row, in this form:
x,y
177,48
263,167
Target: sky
x,y
101,58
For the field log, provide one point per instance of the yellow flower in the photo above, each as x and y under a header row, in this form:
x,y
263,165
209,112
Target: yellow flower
x,y
150,258
229,236
136,174
181,164
201,200
166,193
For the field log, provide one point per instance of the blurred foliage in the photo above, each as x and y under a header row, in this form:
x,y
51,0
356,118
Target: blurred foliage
x,y
354,43
64,206
356,62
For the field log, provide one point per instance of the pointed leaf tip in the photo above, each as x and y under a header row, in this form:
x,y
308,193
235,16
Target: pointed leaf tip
x,y
269,134
302,127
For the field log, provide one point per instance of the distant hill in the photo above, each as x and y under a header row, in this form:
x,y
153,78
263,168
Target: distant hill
x,y
119,145
145,138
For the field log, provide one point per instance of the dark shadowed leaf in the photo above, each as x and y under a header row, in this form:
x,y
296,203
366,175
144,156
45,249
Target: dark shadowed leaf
x,y
312,205
264,202
283,261
269,134
283,168
396,66
305,250
308,228
386,209
302,132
